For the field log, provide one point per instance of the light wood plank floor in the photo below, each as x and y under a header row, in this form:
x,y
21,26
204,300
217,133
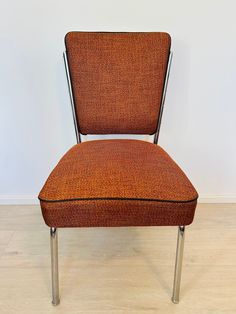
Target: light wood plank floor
x,y
118,270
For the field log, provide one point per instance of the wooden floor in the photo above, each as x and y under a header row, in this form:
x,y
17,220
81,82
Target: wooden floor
x,y
118,270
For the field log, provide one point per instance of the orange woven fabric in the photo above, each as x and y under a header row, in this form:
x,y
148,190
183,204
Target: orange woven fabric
x,y
117,80
117,183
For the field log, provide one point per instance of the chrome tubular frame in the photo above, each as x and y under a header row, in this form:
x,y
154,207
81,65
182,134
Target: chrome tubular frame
x,y
181,229
54,266
156,136
78,137
178,264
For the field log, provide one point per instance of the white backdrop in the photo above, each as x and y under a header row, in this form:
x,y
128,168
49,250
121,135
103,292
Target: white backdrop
x,y
199,122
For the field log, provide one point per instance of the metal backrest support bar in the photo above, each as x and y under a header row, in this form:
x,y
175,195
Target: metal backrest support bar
x,y
78,137
156,136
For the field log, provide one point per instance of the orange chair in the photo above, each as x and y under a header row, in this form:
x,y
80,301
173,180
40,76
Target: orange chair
x,y
117,84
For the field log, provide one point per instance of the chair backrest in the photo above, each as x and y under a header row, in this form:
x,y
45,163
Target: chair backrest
x,y
117,80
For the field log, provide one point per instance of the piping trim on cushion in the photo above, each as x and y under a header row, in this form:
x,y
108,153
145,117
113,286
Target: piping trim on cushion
x,y
117,199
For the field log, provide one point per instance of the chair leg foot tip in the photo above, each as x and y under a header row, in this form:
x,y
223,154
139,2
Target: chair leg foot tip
x,y
55,303
174,301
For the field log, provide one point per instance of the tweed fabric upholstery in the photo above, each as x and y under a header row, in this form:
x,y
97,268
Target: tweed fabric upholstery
x,y
117,183
117,80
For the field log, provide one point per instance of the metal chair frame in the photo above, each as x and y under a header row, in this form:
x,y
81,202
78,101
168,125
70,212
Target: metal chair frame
x,y
54,231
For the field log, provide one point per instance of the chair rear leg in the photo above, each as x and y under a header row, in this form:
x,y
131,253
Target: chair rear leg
x,y
178,264
54,266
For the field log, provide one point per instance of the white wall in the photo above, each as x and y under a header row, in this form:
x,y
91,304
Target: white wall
x,y
198,127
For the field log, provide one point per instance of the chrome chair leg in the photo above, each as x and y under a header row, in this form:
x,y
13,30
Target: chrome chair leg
x,y
54,266
178,264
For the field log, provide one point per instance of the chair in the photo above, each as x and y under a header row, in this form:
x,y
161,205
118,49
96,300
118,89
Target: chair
x,y
117,84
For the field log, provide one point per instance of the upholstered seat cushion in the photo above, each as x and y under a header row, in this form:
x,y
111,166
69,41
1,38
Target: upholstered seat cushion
x,y
117,183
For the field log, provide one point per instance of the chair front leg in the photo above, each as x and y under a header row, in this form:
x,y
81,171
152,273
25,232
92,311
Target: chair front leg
x,y
178,264
54,266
